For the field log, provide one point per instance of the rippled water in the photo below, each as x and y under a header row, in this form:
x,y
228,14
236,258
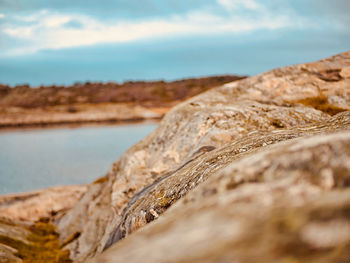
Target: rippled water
x,y
32,159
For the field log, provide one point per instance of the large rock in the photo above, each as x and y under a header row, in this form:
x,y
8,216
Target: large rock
x,y
153,200
285,203
180,154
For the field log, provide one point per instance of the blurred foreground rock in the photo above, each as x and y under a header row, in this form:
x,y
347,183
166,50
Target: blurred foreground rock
x,y
41,203
254,171
286,203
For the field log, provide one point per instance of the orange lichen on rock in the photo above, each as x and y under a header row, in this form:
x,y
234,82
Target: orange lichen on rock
x,y
321,103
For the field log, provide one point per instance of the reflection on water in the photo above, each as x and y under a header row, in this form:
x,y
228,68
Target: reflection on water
x,y
33,159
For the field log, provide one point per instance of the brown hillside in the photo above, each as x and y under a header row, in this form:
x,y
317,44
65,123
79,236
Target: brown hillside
x,y
155,93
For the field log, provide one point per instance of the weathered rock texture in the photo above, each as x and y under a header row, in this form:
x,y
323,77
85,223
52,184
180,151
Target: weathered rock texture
x,y
253,190
286,203
42,203
153,200
28,242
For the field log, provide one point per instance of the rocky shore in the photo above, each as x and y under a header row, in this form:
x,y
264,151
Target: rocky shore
x,y
256,170
83,114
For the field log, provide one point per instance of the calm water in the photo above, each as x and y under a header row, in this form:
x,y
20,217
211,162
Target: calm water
x,y
40,158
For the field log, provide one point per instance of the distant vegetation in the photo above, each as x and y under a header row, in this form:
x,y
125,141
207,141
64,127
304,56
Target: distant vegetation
x,y
155,93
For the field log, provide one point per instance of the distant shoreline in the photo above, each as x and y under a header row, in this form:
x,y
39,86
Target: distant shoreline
x,y
77,125
97,103
99,114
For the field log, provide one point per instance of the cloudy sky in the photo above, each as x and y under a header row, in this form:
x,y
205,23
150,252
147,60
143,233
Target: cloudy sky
x,y
65,41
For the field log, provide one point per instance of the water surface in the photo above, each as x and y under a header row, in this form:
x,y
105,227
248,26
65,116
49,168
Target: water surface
x,y
32,159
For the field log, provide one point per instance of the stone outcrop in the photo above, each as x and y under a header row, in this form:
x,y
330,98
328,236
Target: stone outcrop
x,y
30,242
153,200
260,149
285,203
41,203
26,230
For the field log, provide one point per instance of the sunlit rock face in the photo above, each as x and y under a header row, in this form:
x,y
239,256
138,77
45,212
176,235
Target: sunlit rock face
x,y
259,149
288,202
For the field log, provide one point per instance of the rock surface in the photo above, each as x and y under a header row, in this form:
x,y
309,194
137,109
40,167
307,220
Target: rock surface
x,y
286,203
30,242
223,137
153,200
42,203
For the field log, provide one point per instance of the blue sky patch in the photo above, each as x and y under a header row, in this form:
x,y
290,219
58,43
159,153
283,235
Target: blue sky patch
x,y
61,42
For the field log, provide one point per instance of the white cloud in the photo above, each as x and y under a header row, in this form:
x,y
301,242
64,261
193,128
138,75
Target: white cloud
x,y
47,30
33,17
236,4
2,16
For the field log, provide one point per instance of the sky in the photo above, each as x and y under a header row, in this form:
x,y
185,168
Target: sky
x,y
63,41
